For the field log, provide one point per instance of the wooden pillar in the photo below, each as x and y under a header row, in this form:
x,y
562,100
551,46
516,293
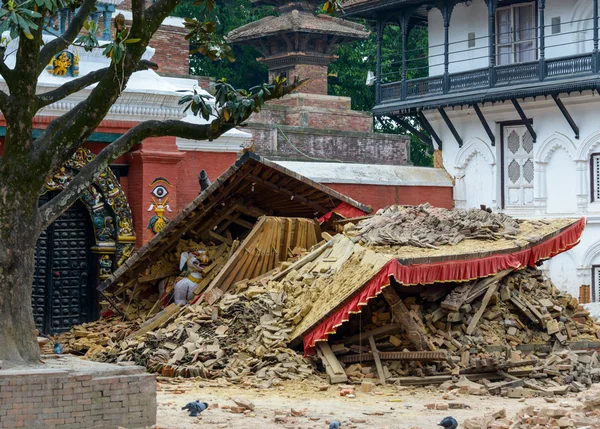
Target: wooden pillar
x,y
404,33
446,16
542,35
380,26
492,40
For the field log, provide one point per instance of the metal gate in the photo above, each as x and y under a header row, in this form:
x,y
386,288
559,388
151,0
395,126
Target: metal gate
x,y
63,293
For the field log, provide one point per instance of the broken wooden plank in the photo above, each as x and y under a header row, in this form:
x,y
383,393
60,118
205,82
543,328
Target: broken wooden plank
x,y
400,314
237,254
332,366
385,329
484,303
375,353
305,260
157,321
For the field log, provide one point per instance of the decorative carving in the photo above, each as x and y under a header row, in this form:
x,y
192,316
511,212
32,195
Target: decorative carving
x,y
191,264
64,64
106,204
159,190
159,220
105,267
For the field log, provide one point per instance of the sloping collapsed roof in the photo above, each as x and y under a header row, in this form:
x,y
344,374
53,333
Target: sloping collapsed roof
x,y
369,174
360,272
253,186
297,21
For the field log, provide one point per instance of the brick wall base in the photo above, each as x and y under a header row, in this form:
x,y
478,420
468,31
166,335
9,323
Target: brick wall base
x,y
379,197
69,393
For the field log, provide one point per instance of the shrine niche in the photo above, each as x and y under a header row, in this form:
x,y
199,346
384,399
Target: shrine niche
x,y
65,63
109,211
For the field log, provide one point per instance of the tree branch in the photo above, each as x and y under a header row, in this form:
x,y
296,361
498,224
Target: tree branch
x,y
64,40
55,207
78,84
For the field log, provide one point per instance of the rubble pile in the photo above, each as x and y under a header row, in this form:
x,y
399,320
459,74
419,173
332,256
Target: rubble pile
x,y
240,337
430,227
585,414
514,325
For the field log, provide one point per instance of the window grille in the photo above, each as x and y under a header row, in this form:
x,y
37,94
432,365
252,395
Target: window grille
x,y
595,167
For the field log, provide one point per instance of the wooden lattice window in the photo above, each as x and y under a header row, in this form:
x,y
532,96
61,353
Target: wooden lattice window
x,y
595,176
595,283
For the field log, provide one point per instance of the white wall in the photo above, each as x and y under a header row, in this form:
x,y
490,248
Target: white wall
x,y
478,182
562,170
561,181
474,18
562,269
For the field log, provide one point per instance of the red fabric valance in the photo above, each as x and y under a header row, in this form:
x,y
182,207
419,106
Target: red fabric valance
x,y
451,271
344,210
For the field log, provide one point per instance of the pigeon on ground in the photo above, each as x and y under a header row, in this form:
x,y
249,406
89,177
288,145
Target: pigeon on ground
x,y
449,423
335,425
58,349
195,408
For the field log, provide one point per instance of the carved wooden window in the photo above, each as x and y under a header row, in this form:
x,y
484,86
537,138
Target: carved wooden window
x,y
516,34
595,176
595,293
518,166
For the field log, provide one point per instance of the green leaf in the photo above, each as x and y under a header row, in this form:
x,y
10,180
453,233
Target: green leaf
x,y
30,13
132,40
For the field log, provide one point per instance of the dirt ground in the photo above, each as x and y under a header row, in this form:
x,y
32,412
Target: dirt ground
x,y
385,408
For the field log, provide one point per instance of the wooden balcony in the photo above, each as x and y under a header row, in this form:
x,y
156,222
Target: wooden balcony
x,y
500,78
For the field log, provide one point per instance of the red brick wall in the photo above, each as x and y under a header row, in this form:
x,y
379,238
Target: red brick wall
x,y
172,50
317,75
382,196
215,163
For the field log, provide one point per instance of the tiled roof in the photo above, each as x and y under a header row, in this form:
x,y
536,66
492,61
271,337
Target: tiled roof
x,y
297,21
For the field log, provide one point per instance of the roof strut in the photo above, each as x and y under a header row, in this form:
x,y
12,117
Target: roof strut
x,y
408,127
486,126
526,121
425,124
566,114
450,126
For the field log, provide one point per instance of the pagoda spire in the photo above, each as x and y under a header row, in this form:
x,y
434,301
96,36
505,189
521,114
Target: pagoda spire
x,y
298,42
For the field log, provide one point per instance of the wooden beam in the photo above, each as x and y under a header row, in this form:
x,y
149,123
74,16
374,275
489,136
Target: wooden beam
x,y
242,222
419,134
450,125
484,303
400,314
332,366
485,124
526,121
289,193
425,124
220,238
377,360
385,329
566,114
234,258
250,210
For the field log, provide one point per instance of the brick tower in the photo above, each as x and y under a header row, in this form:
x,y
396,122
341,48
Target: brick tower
x,y
298,42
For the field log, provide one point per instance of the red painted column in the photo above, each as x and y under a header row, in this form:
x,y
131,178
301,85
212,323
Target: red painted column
x,y
146,166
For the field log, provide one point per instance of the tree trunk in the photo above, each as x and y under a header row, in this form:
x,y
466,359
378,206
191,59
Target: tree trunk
x,y
19,232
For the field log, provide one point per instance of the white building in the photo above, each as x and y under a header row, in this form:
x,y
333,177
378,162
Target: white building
x,y
511,99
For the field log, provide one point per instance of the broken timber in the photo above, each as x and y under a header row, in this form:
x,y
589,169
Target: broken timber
x,y
401,315
332,366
